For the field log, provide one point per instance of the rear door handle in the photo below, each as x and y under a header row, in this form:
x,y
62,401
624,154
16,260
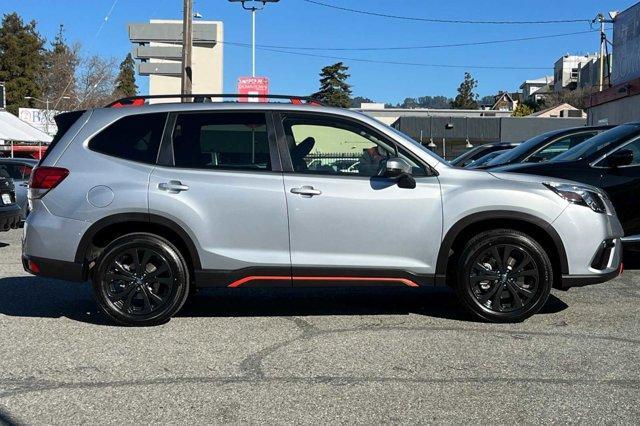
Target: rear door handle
x,y
307,191
173,187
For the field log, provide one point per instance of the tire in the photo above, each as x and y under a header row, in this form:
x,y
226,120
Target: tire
x,y
503,275
144,290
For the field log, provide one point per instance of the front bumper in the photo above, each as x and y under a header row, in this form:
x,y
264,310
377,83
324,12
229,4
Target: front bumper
x,y
10,217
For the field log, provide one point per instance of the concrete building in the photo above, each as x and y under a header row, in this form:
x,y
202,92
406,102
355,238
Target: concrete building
x,y
620,103
158,45
590,72
536,89
567,71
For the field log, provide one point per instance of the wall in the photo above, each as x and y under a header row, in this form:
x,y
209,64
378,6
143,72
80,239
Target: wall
x,y
617,112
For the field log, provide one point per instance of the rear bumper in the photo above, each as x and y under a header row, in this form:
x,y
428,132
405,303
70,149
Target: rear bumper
x,y
10,217
51,268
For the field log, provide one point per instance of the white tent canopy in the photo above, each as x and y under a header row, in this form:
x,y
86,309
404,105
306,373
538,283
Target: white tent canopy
x,y
14,129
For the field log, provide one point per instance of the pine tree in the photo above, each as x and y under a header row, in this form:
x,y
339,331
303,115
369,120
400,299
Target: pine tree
x,y
334,89
522,110
466,98
126,80
21,60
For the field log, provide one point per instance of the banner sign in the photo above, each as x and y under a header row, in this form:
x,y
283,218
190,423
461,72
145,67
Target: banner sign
x,y
626,46
253,86
40,119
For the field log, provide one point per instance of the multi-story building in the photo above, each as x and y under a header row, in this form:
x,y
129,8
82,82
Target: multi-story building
x,y
567,71
159,47
535,90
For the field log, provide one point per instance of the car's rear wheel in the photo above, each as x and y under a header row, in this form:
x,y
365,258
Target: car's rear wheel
x,y
503,276
141,279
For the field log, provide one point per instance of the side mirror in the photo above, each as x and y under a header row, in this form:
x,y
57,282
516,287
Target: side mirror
x,y
395,167
399,170
622,157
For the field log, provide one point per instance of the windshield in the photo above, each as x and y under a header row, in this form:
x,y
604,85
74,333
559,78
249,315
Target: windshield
x,y
521,150
598,143
416,143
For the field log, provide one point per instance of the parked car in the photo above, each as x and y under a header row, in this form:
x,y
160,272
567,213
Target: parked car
x,y
610,161
9,211
484,159
19,169
473,154
546,146
149,202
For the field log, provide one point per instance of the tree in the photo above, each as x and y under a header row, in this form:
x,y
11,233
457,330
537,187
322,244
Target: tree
x,y
359,100
522,110
334,89
126,79
58,76
466,98
21,60
95,82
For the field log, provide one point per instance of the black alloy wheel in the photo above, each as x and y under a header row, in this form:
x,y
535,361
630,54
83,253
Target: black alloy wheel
x,y
141,279
504,276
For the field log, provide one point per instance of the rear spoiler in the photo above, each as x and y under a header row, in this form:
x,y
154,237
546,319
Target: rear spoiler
x,y
64,122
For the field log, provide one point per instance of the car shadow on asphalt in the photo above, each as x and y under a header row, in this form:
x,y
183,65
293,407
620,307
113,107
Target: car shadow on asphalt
x,y
35,297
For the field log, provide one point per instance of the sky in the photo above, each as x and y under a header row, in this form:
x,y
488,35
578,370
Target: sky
x,y
301,23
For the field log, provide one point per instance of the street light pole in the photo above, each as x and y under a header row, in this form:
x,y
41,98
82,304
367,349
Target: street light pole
x,y
253,10
253,42
187,46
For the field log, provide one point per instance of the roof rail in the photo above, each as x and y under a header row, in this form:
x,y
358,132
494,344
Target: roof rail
x,y
133,101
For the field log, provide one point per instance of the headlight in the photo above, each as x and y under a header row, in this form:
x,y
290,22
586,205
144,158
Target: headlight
x,y
578,195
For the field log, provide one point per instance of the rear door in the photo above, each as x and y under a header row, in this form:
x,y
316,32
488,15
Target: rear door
x,y
219,178
348,226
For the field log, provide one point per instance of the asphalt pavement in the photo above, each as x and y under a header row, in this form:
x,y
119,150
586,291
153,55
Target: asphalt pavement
x,y
315,356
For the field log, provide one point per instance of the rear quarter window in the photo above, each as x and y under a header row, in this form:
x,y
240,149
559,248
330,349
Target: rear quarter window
x,y
135,137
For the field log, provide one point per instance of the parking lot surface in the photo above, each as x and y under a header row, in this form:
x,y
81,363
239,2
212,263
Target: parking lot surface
x,y
315,356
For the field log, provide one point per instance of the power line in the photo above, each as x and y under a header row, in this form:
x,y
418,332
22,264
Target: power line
x,y
415,64
446,21
429,46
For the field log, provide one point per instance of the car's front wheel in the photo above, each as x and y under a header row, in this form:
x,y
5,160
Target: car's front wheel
x,y
141,279
503,276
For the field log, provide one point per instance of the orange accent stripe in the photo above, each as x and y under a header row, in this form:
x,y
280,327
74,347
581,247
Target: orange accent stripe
x,y
245,280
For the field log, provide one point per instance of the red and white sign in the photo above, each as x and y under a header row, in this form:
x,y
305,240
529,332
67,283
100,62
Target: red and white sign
x,y
253,86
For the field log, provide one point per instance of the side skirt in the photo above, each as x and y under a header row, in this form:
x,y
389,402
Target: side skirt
x,y
283,277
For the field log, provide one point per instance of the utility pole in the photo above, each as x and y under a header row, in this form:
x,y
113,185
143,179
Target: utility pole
x,y
603,40
187,46
603,43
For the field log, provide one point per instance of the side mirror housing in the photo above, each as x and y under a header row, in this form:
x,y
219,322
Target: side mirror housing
x,y
395,167
399,170
622,157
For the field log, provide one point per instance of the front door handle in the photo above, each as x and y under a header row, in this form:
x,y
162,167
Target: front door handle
x,y
307,191
173,187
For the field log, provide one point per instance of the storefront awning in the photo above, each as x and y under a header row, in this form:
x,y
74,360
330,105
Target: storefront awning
x,y
14,129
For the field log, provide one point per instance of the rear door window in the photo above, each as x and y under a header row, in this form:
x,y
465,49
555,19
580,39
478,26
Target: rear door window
x,y
222,141
135,138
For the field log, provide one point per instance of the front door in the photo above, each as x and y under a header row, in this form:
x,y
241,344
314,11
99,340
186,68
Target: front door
x,y
348,226
622,184
224,190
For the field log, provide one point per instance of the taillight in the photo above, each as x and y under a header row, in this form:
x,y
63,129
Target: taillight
x,y
44,179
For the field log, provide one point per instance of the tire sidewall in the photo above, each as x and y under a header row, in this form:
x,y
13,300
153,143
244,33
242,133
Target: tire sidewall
x,y
176,263
537,253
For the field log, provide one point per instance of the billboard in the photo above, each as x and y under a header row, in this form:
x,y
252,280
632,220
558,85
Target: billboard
x,y
253,86
41,119
626,46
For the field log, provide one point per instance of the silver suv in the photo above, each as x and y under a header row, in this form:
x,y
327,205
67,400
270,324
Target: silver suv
x,y
151,202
